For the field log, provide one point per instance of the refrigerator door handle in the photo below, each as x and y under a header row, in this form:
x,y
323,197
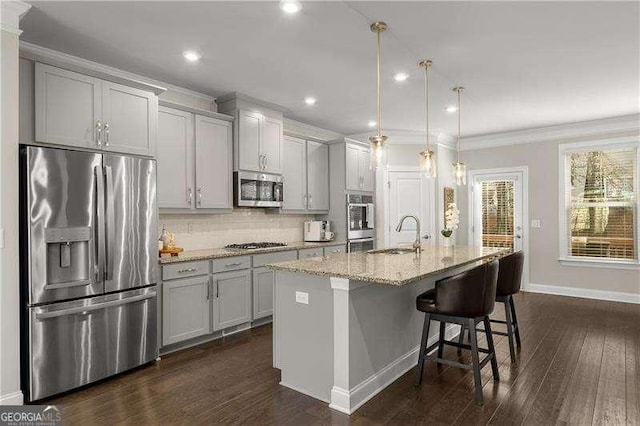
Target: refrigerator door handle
x,y
111,223
99,267
86,309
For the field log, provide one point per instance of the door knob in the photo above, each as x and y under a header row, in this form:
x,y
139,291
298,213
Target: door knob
x,y
518,236
426,236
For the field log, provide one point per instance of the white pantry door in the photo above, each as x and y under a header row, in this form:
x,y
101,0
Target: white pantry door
x,y
409,193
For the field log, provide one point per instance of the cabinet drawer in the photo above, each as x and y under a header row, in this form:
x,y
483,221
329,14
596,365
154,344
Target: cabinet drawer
x,y
310,252
264,259
185,269
334,249
230,264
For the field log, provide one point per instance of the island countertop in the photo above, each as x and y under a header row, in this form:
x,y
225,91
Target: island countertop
x,y
390,269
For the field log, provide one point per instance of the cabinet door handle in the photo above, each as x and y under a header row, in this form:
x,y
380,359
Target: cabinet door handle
x,y
199,196
189,196
233,264
208,289
310,200
336,251
217,289
304,201
106,134
266,160
184,271
99,133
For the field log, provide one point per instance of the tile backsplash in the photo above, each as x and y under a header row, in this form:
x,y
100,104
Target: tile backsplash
x,y
198,231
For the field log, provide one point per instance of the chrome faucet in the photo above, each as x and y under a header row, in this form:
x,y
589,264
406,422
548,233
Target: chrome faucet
x,y
416,243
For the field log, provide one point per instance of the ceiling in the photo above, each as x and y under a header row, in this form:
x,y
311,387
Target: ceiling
x,y
524,64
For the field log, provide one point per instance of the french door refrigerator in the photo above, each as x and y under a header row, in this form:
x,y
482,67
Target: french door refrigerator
x,y
89,267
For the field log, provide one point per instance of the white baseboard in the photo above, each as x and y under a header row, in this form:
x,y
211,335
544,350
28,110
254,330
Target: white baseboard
x,y
13,398
614,296
348,401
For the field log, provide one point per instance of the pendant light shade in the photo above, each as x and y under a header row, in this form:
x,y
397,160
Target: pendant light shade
x,y
427,157
378,142
459,169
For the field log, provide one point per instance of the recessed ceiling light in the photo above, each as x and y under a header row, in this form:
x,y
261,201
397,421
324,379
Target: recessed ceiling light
x,y
372,123
400,76
290,6
191,56
451,108
310,101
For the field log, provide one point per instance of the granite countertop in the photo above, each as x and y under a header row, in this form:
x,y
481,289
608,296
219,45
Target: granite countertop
x,y
216,253
391,269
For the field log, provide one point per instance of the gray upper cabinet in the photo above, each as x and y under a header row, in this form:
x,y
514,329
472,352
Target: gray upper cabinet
x,y
175,158
359,177
295,174
185,309
73,109
213,163
194,161
129,118
231,301
317,176
306,175
259,142
67,107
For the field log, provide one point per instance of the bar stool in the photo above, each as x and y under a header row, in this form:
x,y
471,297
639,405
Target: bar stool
x,y
509,278
467,299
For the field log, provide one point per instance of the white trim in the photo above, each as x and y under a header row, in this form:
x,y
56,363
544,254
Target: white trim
x,y
411,137
524,170
348,401
592,262
614,296
563,202
52,57
11,14
306,131
194,110
625,123
12,398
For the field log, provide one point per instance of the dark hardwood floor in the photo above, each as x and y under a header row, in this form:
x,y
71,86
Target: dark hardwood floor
x,y
579,364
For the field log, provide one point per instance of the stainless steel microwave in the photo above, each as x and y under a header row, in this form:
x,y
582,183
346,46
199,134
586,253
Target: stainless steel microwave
x,y
257,189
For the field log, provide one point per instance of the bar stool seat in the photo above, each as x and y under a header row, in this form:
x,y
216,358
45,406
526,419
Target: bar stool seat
x,y
466,299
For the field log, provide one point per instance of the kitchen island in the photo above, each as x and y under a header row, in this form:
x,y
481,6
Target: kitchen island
x,y
346,325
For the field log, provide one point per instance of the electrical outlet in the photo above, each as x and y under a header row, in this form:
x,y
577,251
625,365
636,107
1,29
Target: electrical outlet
x,y
302,297
535,223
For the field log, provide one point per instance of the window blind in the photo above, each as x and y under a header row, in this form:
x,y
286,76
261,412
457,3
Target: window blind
x,y
498,213
601,190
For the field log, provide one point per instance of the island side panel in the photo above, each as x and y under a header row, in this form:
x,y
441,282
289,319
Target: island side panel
x,y
303,333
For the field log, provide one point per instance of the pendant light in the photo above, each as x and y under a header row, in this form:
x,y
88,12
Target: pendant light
x,y
378,146
427,157
459,169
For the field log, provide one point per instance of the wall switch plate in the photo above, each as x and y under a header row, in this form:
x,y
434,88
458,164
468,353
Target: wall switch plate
x,y
535,223
302,297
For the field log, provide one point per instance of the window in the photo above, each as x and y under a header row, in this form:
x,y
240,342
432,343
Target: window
x,y
599,220
498,208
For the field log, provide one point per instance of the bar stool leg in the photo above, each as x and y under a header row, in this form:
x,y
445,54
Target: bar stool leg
x,y
441,340
515,320
492,349
507,311
423,348
476,361
461,338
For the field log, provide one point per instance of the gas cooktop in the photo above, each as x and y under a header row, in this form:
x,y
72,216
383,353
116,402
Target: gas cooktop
x,y
253,246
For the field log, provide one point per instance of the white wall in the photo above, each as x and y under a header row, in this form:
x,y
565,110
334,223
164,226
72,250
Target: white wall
x,y
542,160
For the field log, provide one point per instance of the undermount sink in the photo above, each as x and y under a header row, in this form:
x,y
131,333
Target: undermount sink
x,y
394,250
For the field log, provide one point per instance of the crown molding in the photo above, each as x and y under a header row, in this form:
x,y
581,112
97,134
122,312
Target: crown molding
x,y
74,63
410,137
241,96
307,131
621,124
11,12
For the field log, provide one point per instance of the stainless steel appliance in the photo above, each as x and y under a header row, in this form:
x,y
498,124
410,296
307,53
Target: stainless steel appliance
x,y
257,189
360,222
317,231
89,267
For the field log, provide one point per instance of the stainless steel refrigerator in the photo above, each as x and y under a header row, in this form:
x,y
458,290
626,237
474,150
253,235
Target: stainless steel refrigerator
x,y
89,267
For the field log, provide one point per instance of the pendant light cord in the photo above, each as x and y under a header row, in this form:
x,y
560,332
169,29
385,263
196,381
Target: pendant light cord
x,y
459,89
426,100
379,97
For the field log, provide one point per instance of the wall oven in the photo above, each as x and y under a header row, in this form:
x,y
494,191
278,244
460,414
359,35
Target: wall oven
x,y
360,222
257,189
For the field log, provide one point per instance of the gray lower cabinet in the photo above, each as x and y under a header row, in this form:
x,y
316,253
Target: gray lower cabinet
x,y
185,309
335,249
231,299
263,282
